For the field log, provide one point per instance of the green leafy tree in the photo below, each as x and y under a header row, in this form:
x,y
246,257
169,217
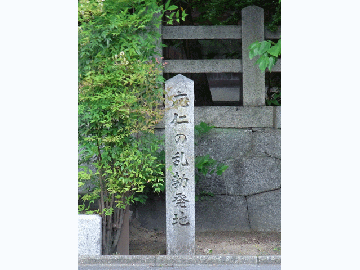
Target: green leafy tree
x,y
119,98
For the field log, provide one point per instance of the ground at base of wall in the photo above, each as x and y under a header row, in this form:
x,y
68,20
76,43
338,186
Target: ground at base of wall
x,y
152,242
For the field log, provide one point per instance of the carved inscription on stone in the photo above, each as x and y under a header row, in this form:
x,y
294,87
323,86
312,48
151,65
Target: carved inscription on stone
x,y
179,158
179,119
181,219
181,100
180,138
180,166
179,181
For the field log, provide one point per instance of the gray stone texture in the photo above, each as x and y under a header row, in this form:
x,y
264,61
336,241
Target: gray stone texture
x,y
247,262
260,174
277,121
268,143
89,235
180,166
204,66
225,94
218,213
202,32
253,77
265,211
233,117
223,213
253,156
210,32
223,144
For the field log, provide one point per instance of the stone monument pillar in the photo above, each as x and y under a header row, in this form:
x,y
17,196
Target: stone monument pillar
x,y
180,166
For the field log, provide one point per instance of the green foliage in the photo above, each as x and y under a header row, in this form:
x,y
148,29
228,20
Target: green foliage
x,y
175,15
201,129
268,51
119,98
274,100
228,12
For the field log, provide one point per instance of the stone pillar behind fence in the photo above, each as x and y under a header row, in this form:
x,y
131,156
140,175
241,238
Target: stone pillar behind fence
x,y
253,77
180,166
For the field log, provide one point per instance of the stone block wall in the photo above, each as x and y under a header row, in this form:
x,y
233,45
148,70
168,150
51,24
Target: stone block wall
x,y
247,197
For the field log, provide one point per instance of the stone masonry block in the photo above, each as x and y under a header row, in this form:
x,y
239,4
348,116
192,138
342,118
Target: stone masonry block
x,y
223,144
265,211
222,213
235,117
277,123
89,235
260,174
212,183
232,182
267,142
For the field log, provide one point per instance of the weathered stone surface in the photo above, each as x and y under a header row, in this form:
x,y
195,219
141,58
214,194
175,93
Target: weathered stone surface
x,y
260,174
218,213
265,211
253,77
180,166
89,235
225,94
232,180
235,117
204,66
277,117
222,213
212,183
268,142
202,32
223,144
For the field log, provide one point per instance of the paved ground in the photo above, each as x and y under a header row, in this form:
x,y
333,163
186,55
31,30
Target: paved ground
x,y
193,267
177,262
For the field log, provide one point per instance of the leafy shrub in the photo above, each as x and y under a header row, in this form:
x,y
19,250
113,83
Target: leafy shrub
x,y
119,96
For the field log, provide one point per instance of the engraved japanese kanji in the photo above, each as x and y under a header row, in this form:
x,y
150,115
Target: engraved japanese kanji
x,y
179,119
178,181
180,138
179,158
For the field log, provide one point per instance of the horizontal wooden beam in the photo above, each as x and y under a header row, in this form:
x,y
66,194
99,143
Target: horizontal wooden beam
x,y
210,32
